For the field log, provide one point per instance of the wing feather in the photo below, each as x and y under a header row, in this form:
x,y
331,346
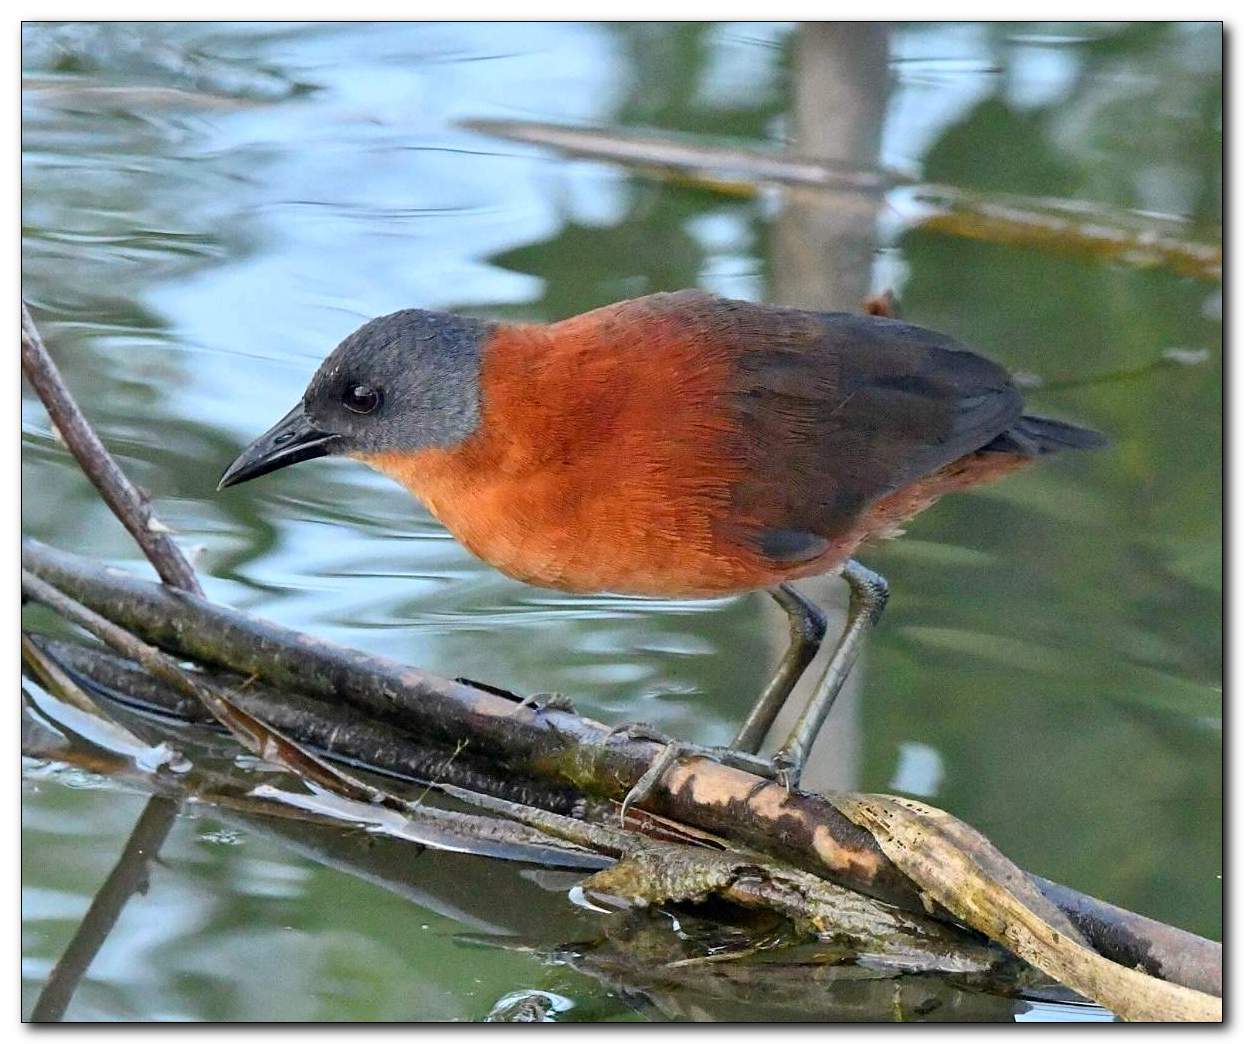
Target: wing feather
x,y
837,410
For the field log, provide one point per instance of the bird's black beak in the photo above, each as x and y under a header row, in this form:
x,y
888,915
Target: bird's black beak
x,y
292,439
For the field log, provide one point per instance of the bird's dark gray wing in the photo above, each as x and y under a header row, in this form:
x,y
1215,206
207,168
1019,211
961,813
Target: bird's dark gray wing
x,y
837,410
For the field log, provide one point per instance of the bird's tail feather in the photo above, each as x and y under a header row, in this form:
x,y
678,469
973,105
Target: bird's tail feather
x,y
1036,436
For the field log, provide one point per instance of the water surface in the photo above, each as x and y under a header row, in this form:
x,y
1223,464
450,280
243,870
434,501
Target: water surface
x,y
208,209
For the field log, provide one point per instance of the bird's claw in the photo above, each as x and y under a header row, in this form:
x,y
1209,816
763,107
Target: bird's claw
x,y
557,701
545,701
786,769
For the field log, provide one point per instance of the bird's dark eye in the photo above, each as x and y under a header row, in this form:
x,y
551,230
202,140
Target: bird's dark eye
x,y
361,398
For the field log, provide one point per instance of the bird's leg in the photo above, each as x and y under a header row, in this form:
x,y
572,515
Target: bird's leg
x,y
869,593
807,629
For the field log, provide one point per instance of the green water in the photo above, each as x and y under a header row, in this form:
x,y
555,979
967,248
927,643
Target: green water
x,y
208,209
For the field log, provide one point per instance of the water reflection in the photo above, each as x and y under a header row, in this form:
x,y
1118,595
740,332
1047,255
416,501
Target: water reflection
x,y
207,209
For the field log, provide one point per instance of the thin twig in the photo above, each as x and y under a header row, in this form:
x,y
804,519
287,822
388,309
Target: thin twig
x,y
127,502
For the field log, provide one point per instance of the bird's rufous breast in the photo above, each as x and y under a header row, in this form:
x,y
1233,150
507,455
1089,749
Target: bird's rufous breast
x,y
604,457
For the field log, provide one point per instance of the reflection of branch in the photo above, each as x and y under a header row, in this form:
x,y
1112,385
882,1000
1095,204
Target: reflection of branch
x,y
127,877
1059,228
1170,358
1052,224
119,493
725,164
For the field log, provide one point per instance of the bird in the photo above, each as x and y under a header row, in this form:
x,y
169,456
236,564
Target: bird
x,y
676,445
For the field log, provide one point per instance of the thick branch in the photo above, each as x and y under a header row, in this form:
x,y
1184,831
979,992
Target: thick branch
x,y
336,730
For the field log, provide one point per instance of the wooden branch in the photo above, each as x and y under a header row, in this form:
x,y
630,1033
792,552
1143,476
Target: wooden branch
x,y
854,927
336,730
958,867
802,830
127,502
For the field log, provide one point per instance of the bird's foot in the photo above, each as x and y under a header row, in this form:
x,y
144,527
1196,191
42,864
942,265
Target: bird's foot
x,y
544,701
676,749
557,701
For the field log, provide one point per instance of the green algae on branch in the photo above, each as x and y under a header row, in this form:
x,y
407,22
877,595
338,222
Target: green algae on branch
x,y
664,873
657,872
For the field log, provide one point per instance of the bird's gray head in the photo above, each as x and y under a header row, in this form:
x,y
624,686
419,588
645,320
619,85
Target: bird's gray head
x,y
403,382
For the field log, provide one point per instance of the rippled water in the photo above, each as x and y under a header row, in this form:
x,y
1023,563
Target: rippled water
x,y
208,209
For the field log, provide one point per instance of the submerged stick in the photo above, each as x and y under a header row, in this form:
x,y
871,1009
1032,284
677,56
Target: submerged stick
x,y
802,830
